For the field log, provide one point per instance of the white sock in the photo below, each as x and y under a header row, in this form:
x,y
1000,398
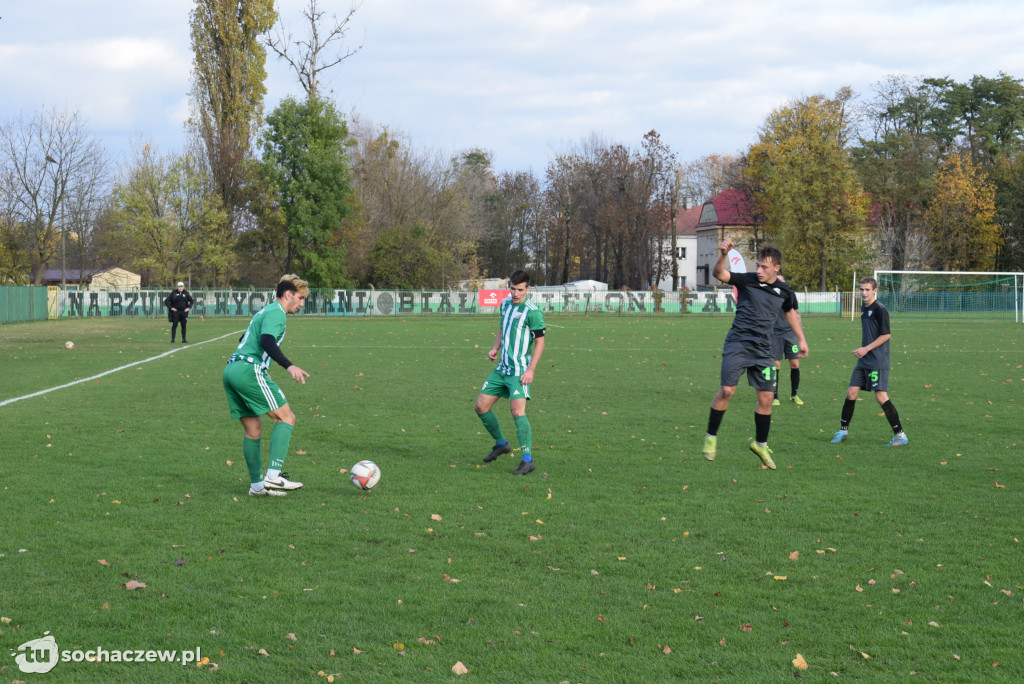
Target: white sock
x,y
273,474
257,486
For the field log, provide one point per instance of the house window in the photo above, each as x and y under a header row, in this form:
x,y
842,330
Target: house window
x,y
682,281
680,252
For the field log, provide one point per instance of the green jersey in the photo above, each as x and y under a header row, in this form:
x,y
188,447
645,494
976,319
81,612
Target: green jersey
x,y
519,323
270,320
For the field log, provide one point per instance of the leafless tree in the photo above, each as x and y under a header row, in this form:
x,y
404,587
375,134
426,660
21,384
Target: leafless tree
x,y
706,177
310,57
51,169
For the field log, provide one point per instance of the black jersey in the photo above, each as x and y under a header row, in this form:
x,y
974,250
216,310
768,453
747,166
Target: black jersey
x,y
874,322
757,306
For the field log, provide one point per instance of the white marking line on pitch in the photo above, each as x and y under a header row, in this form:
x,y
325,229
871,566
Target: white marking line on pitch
x,y
114,370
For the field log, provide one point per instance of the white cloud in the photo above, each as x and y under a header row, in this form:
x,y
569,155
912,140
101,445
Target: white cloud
x,y
522,78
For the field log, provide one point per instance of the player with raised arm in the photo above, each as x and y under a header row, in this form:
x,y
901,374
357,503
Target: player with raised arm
x,y
521,326
748,348
251,393
872,369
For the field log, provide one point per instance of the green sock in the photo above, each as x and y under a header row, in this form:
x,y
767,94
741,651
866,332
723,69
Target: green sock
x,y
490,422
251,451
279,440
525,435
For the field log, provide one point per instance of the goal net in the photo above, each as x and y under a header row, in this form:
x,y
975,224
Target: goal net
x,y
953,293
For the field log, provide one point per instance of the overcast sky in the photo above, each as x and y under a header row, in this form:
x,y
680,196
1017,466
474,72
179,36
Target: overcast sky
x,y
522,79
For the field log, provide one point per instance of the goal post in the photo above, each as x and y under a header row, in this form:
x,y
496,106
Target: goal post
x,y
958,294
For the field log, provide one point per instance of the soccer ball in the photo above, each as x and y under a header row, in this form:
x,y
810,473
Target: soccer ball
x,y
69,345
365,474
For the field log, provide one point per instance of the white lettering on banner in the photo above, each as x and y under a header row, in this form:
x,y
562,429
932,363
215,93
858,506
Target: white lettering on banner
x,y
330,302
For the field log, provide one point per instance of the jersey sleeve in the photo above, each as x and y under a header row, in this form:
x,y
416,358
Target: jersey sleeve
x,y
791,304
882,321
535,320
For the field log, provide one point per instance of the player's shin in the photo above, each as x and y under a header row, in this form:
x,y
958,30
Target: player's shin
x,y
280,438
253,459
525,436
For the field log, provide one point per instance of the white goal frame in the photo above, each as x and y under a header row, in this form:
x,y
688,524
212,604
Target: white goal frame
x,y
1018,284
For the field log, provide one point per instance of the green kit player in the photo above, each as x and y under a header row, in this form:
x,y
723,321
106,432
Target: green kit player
x,y
521,327
251,392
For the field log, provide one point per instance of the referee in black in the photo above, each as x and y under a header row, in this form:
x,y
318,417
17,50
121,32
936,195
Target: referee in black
x,y
178,304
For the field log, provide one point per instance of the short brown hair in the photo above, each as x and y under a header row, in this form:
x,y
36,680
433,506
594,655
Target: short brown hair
x,y
868,280
770,252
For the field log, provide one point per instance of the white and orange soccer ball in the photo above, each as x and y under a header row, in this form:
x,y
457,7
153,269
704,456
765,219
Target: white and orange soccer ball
x,y
69,345
365,474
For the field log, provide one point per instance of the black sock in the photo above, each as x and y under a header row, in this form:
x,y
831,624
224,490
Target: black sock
x,y
714,420
844,421
762,424
183,335
893,416
794,379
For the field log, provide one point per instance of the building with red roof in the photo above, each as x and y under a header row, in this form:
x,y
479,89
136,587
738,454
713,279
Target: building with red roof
x,y
726,215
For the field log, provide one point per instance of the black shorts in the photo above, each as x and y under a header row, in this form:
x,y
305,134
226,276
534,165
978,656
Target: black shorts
x,y
874,379
785,347
738,357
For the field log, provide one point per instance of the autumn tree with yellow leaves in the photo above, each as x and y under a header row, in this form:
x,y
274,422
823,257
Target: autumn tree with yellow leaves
x,y
960,218
804,185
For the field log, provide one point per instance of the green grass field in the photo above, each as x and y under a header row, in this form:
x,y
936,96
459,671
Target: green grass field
x,y
624,557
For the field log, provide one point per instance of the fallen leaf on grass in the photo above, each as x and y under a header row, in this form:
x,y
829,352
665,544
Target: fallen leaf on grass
x,y
459,669
290,635
933,623
102,561
435,516
263,652
356,651
132,584
1000,486
447,578
799,662
399,646
747,627
794,556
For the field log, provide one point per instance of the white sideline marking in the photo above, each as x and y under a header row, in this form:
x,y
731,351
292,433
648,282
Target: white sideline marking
x,y
114,370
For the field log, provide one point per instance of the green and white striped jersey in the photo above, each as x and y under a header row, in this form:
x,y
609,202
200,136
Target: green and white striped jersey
x,y
518,324
270,320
